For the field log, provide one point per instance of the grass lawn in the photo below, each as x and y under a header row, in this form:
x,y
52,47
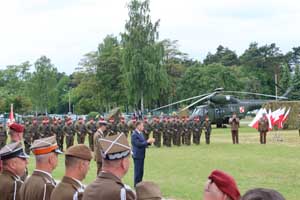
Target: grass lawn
x,y
182,171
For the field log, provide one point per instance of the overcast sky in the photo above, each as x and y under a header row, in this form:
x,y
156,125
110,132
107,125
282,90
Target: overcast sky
x,y
64,30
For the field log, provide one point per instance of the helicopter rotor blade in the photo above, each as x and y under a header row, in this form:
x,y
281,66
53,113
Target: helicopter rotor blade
x,y
258,94
177,102
199,100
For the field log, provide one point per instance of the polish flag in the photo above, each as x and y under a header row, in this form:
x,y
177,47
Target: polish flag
x,y
283,118
11,118
278,116
254,123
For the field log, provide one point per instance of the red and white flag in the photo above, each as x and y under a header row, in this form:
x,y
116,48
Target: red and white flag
x,y
11,118
254,123
283,118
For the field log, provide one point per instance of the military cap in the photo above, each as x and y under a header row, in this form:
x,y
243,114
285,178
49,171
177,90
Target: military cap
x,y
225,183
114,147
148,190
45,146
79,151
16,127
13,150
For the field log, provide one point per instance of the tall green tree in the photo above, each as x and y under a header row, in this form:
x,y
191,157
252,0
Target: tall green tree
x,y
201,79
223,55
295,94
144,75
174,61
285,78
42,85
108,72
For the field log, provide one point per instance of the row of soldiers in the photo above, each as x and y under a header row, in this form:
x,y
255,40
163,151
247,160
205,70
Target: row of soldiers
x,y
167,131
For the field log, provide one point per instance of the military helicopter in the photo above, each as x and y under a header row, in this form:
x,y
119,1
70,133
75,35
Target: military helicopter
x,y
219,107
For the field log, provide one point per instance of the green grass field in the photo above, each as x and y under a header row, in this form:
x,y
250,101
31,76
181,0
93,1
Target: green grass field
x,y
182,171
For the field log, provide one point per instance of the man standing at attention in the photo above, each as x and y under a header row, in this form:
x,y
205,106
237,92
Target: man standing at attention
x,y
139,145
234,122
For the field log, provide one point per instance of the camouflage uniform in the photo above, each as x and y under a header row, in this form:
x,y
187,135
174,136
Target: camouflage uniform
x,y
81,131
69,132
91,128
147,130
169,134
60,135
188,133
207,130
197,131
123,128
27,138
157,129
55,130
3,136
34,130
44,130
175,126
111,128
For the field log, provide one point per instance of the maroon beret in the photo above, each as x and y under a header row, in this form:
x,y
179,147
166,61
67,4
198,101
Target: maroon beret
x,y
16,127
226,184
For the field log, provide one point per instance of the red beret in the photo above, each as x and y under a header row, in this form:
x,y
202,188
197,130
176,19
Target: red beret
x,y
17,127
226,184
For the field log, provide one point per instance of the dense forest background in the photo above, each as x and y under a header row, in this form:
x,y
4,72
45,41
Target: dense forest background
x,y
138,70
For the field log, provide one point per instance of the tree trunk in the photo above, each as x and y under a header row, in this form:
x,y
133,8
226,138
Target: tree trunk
x,y
142,101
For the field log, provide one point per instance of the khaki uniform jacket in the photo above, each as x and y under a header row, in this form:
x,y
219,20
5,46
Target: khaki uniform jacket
x,y
108,187
38,186
263,125
235,123
97,150
67,189
9,186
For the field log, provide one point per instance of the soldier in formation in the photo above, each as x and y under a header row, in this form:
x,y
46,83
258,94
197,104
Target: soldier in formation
x,y
81,131
123,127
147,128
69,132
207,129
263,128
77,162
100,133
234,122
91,129
112,126
116,153
14,161
27,137
157,128
34,129
197,130
44,128
40,184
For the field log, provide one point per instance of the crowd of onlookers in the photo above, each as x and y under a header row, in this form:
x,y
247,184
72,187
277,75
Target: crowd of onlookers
x,y
115,151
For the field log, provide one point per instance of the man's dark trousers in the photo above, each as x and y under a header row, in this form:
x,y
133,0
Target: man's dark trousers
x,y
139,145
138,170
